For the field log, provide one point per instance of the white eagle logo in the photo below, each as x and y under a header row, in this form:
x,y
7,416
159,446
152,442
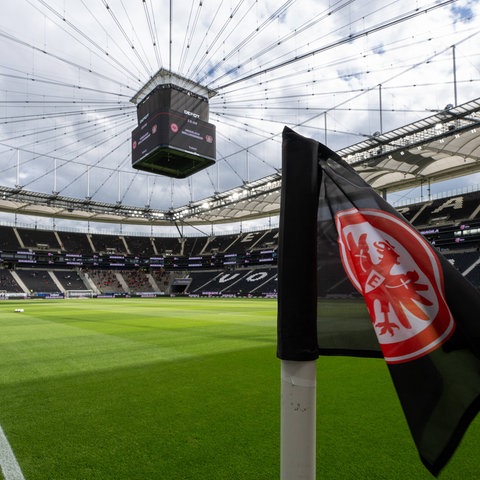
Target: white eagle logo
x,y
401,279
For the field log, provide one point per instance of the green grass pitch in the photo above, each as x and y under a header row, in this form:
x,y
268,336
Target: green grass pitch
x,y
181,389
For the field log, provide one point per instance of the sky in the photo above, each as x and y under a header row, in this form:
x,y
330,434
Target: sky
x,y
69,69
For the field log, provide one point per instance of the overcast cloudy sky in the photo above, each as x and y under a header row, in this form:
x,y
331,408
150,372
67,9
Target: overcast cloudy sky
x,y
68,69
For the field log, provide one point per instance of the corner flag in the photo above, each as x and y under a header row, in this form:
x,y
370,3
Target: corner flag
x,y
339,238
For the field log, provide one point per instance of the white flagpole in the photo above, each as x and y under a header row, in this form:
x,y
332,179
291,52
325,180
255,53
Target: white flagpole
x,y
298,420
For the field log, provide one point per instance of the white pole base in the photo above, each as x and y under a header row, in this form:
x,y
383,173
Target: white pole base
x,y
298,420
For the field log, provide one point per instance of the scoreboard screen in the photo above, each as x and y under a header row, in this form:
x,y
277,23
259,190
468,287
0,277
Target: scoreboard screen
x,y
174,144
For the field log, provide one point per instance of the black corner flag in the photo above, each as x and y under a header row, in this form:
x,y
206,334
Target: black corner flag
x,y
340,239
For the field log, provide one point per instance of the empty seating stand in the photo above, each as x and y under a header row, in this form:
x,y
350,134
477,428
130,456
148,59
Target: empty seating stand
x,y
452,224
38,281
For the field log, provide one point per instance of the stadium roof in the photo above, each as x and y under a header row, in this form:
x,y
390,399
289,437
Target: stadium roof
x,y
443,146
440,147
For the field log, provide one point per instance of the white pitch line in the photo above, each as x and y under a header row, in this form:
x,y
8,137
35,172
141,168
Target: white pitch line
x,y
10,467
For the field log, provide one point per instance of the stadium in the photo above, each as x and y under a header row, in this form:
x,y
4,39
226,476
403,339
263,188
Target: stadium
x,y
138,289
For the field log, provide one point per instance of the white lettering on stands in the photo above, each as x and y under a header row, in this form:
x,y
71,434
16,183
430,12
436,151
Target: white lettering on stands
x,y
227,277
455,203
255,277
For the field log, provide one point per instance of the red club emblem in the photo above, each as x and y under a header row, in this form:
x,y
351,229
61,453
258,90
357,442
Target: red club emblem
x,y
174,127
400,277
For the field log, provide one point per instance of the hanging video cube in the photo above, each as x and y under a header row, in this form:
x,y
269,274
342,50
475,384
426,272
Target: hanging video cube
x,y
173,137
